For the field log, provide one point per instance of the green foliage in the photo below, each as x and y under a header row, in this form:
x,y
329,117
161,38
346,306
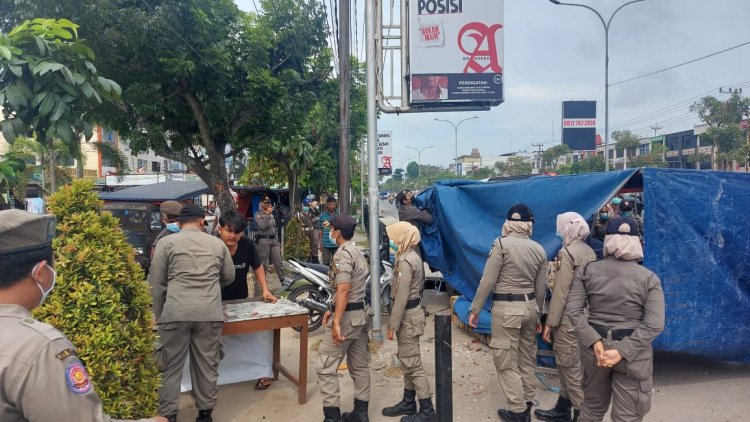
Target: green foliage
x,y
412,170
297,244
102,303
551,157
724,132
481,173
48,80
625,141
398,175
516,166
11,166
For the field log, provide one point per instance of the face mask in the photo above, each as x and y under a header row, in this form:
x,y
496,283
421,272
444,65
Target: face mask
x,y
616,201
330,236
559,236
306,209
173,227
51,286
392,246
604,216
627,213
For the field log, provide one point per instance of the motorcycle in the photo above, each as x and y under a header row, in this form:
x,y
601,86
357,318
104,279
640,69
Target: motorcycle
x,y
318,295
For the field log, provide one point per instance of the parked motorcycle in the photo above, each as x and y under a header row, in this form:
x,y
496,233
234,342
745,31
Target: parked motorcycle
x,y
318,295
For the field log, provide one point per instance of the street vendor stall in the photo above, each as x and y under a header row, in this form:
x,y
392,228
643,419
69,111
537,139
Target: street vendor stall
x,y
251,341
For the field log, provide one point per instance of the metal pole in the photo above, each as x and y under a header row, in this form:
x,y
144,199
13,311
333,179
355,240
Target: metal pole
x,y
372,179
345,75
455,142
443,368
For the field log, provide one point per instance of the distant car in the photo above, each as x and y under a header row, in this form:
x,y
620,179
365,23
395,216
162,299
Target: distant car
x,y
383,195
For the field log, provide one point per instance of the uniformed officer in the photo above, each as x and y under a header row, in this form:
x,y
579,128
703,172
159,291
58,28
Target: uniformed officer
x,y
170,211
310,218
187,273
407,324
516,274
625,314
41,377
267,237
572,230
350,328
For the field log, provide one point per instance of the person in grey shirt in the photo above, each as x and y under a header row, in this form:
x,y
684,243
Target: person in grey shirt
x,y
187,273
408,212
625,314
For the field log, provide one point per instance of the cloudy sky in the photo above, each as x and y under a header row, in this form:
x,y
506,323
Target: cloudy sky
x,y
555,53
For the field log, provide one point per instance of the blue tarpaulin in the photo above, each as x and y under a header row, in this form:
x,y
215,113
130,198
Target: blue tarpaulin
x,y
696,240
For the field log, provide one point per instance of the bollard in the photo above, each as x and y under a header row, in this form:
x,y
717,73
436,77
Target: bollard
x,y
443,368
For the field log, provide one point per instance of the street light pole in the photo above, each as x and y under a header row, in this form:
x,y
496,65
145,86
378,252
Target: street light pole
x,y
419,155
455,136
606,68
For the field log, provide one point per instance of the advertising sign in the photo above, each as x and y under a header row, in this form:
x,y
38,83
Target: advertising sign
x,y
579,125
385,153
456,52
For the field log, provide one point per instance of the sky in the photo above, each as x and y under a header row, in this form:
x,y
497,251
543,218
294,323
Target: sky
x,y
556,53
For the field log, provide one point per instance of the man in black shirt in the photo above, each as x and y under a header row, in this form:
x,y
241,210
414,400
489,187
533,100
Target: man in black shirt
x,y
244,256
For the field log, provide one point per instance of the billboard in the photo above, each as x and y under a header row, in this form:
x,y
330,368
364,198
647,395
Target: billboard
x,y
579,125
455,52
385,153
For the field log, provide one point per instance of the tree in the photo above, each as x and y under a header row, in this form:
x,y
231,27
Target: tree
x,y
551,157
481,173
515,166
48,83
412,170
398,175
11,169
627,142
724,132
655,158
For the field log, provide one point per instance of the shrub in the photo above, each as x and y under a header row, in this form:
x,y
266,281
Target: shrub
x,y
297,243
102,303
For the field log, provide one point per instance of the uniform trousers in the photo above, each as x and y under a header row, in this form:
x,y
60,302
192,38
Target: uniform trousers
x,y
269,248
630,396
202,339
328,255
568,361
415,377
357,352
514,350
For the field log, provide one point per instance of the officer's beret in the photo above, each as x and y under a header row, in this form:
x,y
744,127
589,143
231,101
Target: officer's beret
x,y
344,222
192,210
622,225
22,231
171,208
520,212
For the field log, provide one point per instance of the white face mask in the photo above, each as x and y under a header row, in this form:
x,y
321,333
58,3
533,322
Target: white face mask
x,y
45,294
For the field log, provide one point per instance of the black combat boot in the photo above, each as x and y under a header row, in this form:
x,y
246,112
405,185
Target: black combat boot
x,y
426,413
331,414
559,413
204,416
407,405
359,414
172,418
508,416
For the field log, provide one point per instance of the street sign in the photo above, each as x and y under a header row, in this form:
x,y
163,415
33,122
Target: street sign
x,y
455,52
385,153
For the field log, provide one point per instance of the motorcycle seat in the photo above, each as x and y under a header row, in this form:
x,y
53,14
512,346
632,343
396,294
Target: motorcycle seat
x,y
323,269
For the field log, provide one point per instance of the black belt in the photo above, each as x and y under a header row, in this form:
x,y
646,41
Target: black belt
x,y
266,236
413,303
354,306
616,334
510,297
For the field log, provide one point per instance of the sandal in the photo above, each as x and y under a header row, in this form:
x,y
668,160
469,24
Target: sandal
x,y
263,384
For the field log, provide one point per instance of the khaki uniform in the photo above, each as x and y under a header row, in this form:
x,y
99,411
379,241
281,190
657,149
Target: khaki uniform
x,y
518,266
349,266
409,323
41,377
565,342
309,222
268,242
621,295
187,273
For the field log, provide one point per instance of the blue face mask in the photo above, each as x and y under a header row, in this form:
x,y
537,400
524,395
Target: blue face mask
x,y
616,201
604,216
306,209
392,246
173,227
559,236
627,213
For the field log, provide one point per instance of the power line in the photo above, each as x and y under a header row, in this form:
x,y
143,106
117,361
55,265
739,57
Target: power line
x,y
681,64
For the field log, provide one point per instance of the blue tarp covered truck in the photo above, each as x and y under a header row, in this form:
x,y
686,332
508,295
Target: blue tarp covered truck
x,y
696,239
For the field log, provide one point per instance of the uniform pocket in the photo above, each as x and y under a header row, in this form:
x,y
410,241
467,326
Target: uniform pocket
x,y
160,353
644,398
513,317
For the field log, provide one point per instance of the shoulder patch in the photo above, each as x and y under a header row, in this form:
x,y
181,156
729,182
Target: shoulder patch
x,y
77,378
66,354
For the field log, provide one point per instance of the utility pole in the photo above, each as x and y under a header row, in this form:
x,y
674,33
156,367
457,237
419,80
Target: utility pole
x,y
538,155
345,73
655,127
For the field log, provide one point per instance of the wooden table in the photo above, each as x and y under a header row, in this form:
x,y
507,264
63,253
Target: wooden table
x,y
251,315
